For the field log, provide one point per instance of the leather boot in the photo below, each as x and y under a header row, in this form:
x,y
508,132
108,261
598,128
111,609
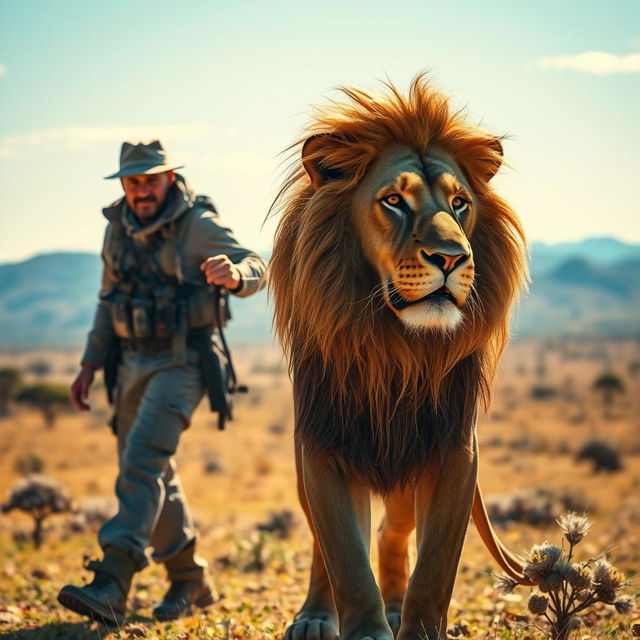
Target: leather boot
x,y
105,598
190,586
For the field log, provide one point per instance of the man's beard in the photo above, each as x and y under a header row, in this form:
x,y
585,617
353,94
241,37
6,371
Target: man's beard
x,y
146,219
147,199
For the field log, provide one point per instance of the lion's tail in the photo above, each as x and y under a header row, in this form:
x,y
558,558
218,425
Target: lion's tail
x,y
507,561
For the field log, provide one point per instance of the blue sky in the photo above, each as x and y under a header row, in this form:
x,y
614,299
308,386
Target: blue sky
x,y
228,85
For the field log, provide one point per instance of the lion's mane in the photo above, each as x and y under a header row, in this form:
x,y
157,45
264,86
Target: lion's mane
x,y
379,399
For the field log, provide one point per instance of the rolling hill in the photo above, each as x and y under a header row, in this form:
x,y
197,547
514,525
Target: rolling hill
x,y
583,288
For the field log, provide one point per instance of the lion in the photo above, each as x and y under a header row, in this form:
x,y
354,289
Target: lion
x,y
393,271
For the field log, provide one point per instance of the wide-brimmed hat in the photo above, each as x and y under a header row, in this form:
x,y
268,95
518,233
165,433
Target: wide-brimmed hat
x,y
143,158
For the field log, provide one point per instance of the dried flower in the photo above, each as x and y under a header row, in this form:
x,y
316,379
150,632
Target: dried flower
x,y
579,577
504,585
601,570
617,577
537,604
606,594
551,582
625,605
567,588
606,580
541,560
575,527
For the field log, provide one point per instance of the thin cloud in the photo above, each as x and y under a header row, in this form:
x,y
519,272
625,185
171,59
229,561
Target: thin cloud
x,y
596,62
80,138
3,70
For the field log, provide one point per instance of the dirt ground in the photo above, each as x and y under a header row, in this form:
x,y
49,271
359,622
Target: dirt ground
x,y
544,410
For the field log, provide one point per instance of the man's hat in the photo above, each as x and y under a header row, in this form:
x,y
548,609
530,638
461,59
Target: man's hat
x,y
143,158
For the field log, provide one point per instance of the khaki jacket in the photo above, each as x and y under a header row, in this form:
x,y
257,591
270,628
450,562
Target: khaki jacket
x,y
205,237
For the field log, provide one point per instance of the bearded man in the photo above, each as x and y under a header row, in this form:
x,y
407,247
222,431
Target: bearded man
x,y
165,250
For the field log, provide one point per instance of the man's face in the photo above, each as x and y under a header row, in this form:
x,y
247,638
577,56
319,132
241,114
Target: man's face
x,y
146,193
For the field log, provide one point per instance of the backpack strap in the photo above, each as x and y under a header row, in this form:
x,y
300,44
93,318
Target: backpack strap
x,y
200,205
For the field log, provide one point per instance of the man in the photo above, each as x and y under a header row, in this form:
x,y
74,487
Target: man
x,y
164,251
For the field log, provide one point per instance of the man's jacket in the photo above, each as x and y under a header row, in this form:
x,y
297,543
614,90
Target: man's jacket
x,y
190,231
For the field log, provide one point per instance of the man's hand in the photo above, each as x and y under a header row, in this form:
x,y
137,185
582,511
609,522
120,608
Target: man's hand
x,y
221,271
80,387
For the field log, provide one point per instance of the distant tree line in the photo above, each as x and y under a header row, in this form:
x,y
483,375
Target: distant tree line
x,y
46,397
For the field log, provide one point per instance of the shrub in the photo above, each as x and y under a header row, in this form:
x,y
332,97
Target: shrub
x,y
39,368
277,429
212,465
280,523
254,553
45,397
604,455
29,463
40,497
537,507
543,392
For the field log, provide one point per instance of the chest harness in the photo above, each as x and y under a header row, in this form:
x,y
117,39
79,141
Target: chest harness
x,y
154,308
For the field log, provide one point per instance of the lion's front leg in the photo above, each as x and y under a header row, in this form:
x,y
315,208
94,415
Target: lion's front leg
x,y
317,618
443,506
341,514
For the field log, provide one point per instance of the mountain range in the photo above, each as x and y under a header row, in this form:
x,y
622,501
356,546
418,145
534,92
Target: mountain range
x,y
585,288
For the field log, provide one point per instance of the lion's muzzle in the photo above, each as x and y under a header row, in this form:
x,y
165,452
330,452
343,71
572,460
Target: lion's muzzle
x,y
444,261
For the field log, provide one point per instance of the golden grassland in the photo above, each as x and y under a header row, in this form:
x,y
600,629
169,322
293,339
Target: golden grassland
x,y
236,478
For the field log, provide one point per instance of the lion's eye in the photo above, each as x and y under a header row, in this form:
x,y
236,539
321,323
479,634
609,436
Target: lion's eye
x,y
459,204
393,199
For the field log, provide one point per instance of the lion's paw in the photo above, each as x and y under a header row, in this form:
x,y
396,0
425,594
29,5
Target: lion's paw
x,y
312,628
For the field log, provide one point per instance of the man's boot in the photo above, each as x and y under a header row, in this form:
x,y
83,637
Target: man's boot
x,y
190,586
105,598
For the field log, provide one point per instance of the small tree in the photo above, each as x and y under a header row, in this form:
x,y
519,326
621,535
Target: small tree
x,y
39,496
609,385
10,379
47,398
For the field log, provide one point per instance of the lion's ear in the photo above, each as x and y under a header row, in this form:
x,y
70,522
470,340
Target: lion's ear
x,y
492,164
316,152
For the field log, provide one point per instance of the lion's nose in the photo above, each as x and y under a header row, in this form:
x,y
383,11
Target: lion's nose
x,y
445,262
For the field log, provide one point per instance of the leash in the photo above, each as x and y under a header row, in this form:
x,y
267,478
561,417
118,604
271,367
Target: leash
x,y
232,385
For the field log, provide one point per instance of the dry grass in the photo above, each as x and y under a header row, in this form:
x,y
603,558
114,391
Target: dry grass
x,y
524,443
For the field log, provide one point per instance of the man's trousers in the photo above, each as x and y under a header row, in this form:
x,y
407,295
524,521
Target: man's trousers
x,y
154,401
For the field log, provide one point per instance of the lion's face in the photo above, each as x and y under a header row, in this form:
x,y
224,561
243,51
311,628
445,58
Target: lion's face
x,y
376,295
414,214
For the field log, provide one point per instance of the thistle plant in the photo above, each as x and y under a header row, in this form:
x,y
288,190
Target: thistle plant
x,y
567,587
